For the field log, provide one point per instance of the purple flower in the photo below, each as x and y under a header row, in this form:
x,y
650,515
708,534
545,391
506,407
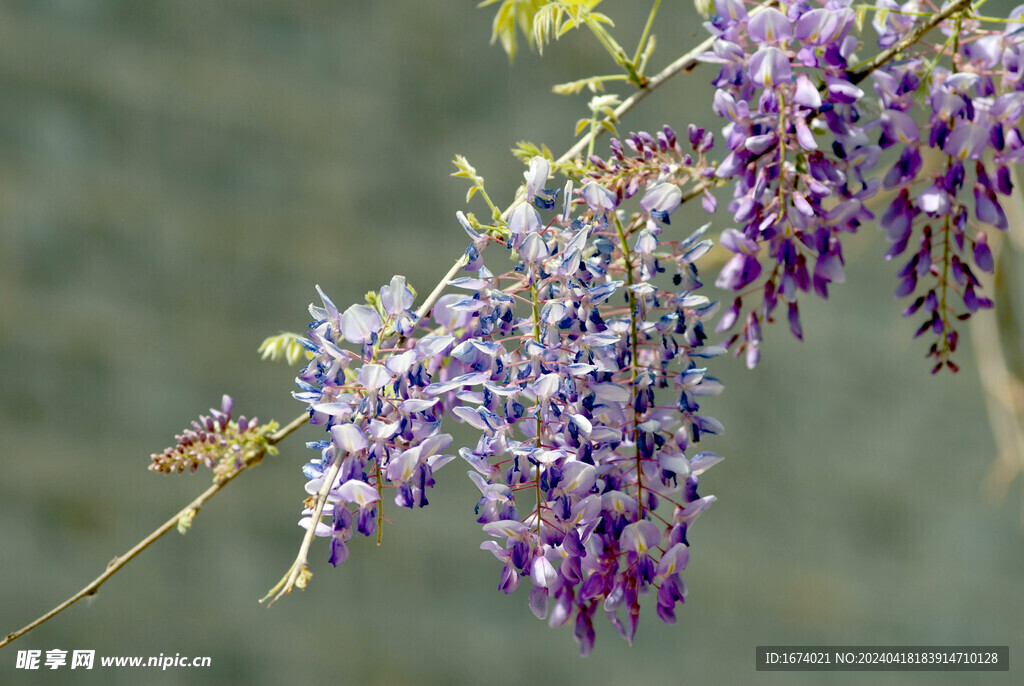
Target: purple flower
x,y
806,95
360,324
770,26
536,178
988,209
523,220
983,254
899,126
598,198
396,297
739,272
769,66
561,394
818,26
661,201
744,267
967,141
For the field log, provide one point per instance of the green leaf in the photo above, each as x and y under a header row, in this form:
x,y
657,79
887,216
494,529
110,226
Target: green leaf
x,y
526,150
566,27
512,14
593,83
859,17
284,346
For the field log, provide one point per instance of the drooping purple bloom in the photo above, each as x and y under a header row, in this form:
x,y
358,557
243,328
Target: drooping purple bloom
x,y
360,324
661,201
561,402
770,26
523,220
769,67
967,141
598,198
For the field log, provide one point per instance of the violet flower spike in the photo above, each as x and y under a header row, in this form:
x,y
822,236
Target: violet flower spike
x,y
560,395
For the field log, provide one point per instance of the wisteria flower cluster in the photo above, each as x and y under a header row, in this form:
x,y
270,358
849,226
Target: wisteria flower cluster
x,y
798,158
217,442
973,107
581,376
803,136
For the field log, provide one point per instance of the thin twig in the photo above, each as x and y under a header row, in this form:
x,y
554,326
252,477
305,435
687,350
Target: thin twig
x,y
914,36
189,510
298,573
281,434
439,288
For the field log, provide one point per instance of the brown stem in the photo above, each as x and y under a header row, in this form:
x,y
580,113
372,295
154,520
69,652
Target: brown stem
x,y
190,510
915,35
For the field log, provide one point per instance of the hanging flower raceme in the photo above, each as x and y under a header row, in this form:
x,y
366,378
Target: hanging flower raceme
x,y
798,158
803,138
576,454
578,370
218,442
384,430
972,131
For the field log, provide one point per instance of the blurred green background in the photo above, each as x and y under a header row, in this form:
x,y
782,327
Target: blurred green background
x,y
176,175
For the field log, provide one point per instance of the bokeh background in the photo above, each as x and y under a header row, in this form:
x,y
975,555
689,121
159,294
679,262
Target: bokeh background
x,y
176,175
